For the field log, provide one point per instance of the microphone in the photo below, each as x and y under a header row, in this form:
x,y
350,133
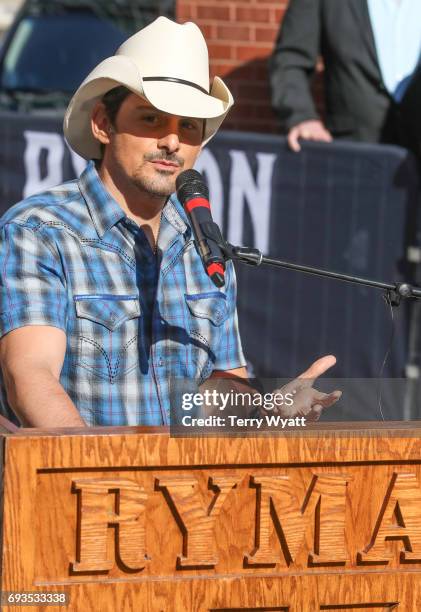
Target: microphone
x,y
193,194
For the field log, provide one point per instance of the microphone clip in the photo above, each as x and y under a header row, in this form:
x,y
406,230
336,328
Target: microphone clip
x,y
252,257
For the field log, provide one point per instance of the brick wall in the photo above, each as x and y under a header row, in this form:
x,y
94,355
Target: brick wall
x,y
240,36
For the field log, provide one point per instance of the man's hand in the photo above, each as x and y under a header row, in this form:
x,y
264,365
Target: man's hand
x,y
308,130
308,402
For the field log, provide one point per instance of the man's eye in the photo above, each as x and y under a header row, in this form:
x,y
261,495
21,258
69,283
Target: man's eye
x,y
190,125
150,119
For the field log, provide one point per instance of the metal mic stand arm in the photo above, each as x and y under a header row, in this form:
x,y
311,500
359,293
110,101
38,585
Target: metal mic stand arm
x,y
394,291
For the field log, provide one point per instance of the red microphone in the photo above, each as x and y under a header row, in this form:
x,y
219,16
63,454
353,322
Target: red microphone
x,y
193,194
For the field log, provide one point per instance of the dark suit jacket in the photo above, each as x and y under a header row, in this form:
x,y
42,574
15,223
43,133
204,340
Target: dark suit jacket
x,y
358,106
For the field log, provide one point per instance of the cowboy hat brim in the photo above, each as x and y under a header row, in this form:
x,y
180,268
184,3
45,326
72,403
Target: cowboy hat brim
x,y
176,98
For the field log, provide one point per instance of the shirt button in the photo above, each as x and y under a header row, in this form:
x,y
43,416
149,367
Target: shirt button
x,y
160,362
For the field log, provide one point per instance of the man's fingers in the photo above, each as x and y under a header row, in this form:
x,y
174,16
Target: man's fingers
x,y
327,136
327,399
308,130
322,135
315,413
318,368
293,143
324,402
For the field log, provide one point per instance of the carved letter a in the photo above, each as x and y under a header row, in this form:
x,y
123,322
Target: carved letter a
x,y
399,519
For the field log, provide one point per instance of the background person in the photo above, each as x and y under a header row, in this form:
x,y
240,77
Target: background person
x,y
371,53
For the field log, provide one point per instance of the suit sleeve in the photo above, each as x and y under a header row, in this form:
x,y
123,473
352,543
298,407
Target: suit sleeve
x,y
293,62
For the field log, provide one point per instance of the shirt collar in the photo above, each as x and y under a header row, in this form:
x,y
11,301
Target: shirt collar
x,y
175,214
105,212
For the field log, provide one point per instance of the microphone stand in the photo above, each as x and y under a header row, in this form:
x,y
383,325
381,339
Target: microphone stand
x,y
394,292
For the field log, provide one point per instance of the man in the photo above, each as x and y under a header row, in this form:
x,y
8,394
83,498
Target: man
x,y
371,52
104,298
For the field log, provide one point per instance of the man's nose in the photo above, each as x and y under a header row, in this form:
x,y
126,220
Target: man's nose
x,y
170,142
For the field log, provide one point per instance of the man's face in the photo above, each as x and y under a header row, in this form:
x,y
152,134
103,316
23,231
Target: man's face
x,y
150,148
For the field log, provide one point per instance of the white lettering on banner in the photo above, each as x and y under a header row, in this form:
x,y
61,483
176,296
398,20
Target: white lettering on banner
x,y
36,142
208,165
256,193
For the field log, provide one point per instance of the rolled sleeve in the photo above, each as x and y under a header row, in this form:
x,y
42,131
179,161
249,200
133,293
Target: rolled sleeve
x,y
230,354
32,283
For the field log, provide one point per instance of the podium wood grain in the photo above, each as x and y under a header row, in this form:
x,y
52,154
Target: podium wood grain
x,y
132,519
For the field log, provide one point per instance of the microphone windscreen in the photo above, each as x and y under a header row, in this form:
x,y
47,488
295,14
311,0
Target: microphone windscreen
x,y
187,176
190,184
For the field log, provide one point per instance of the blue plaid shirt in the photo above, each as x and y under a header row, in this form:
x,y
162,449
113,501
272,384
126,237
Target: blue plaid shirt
x,y
71,258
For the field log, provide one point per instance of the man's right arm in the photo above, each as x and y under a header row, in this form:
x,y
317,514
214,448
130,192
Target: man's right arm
x,y
33,323
291,67
31,359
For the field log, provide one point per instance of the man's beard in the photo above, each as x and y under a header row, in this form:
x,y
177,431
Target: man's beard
x,y
163,183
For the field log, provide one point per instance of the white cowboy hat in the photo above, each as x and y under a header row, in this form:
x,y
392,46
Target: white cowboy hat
x,y
166,63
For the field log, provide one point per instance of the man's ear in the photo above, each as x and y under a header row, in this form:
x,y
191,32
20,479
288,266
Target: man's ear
x,y
100,124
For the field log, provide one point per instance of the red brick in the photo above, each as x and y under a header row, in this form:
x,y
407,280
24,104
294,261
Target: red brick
x,y
234,33
185,11
259,128
233,87
240,71
269,128
277,15
266,34
257,125
254,91
221,68
231,125
220,51
208,31
241,111
264,112
261,68
249,109
218,13
283,5
252,15
244,72
248,53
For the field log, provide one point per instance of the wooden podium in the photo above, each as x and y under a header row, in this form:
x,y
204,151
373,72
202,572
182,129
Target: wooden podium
x,y
132,519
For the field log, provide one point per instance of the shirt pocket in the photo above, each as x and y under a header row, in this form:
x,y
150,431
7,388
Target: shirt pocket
x,y
207,313
108,331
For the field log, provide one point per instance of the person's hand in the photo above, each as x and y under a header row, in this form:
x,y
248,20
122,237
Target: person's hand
x,y
307,402
308,130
